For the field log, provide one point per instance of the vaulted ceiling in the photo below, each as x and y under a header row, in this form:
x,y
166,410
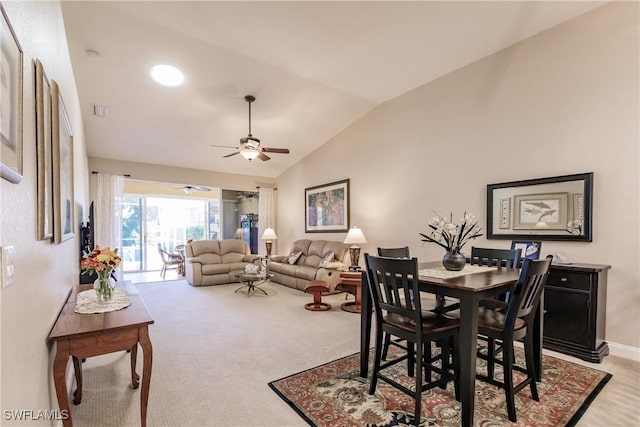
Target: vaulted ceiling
x,y
314,68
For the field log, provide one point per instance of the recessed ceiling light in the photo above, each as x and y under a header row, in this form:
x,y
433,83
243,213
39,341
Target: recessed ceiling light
x,y
166,75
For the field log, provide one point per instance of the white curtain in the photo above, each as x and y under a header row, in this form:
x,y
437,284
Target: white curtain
x,y
266,217
107,195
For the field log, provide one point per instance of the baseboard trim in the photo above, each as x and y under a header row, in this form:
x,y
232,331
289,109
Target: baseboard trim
x,y
624,351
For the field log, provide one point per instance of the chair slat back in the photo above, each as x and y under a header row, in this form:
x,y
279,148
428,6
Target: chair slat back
x,y
495,257
394,252
526,296
391,284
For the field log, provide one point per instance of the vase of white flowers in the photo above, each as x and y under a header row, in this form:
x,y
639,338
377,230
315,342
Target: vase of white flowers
x,y
452,237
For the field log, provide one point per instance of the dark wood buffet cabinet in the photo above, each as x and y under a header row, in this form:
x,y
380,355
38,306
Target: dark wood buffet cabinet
x,y
575,302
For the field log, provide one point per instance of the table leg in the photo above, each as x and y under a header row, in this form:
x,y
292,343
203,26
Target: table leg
x,y
135,378
468,345
59,373
147,360
366,310
77,367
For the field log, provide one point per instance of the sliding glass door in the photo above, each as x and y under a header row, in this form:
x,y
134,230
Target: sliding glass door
x,y
150,223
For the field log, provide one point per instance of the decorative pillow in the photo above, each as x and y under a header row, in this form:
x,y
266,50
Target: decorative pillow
x,y
285,260
293,258
327,259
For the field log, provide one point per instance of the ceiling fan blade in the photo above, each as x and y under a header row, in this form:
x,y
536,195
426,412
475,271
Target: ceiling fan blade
x,y
263,157
222,146
276,150
232,154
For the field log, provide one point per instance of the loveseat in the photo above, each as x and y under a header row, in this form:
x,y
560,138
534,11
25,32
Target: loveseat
x,y
317,260
214,262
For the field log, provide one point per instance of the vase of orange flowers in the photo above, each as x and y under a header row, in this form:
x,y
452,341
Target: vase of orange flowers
x,y
102,262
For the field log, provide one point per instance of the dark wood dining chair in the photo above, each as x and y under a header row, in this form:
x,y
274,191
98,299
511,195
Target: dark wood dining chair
x,y
439,305
509,258
513,325
392,282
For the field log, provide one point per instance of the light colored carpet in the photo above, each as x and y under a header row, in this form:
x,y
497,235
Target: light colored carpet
x,y
214,353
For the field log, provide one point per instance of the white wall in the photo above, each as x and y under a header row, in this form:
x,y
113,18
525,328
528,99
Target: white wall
x,y
44,272
562,102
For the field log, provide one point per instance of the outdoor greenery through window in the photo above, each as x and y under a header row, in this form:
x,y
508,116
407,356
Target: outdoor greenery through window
x,y
149,223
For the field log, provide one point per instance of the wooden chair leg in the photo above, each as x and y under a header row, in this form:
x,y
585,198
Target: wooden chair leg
x,y
376,363
507,368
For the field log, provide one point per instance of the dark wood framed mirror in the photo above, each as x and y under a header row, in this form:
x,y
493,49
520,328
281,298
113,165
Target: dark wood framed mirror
x,y
554,208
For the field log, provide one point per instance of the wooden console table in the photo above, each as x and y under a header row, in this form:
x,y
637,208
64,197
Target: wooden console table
x,y
85,335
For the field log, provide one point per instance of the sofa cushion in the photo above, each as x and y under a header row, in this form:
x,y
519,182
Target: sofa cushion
x,y
305,272
284,268
315,253
200,247
215,268
233,246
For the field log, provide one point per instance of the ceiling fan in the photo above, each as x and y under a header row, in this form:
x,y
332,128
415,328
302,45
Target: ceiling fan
x,y
192,188
249,147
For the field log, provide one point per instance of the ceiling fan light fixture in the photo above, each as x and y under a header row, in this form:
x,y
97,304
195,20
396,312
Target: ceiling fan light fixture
x,y
249,153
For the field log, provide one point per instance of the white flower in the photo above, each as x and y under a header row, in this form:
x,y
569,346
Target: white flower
x,y
452,236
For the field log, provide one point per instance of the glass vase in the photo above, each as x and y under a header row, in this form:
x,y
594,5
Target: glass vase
x,y
454,261
104,286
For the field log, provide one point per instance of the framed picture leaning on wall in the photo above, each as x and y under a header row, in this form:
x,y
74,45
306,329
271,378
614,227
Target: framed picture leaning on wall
x,y
62,145
10,102
44,153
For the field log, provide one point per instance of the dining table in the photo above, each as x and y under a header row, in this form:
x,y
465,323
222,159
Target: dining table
x,y
468,287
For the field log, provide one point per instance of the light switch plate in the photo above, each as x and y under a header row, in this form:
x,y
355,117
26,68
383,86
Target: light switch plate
x,y
6,263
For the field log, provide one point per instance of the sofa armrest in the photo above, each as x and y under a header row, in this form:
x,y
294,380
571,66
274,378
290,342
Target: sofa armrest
x,y
193,271
276,258
250,258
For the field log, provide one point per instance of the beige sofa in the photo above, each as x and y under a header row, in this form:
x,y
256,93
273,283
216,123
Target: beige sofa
x,y
214,262
308,266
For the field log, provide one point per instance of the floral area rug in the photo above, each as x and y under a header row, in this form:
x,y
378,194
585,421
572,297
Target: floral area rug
x,y
333,394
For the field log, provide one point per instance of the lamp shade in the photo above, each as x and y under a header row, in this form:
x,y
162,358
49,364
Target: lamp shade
x,y
355,236
269,234
249,153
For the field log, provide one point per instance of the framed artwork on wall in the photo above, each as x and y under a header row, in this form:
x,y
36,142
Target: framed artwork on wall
x,y
553,208
327,208
62,145
44,153
541,211
10,102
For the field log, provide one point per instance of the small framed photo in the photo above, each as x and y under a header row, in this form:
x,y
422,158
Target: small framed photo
x,y
327,208
505,213
528,249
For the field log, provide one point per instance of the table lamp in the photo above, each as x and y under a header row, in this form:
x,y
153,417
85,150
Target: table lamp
x,y
268,236
354,237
